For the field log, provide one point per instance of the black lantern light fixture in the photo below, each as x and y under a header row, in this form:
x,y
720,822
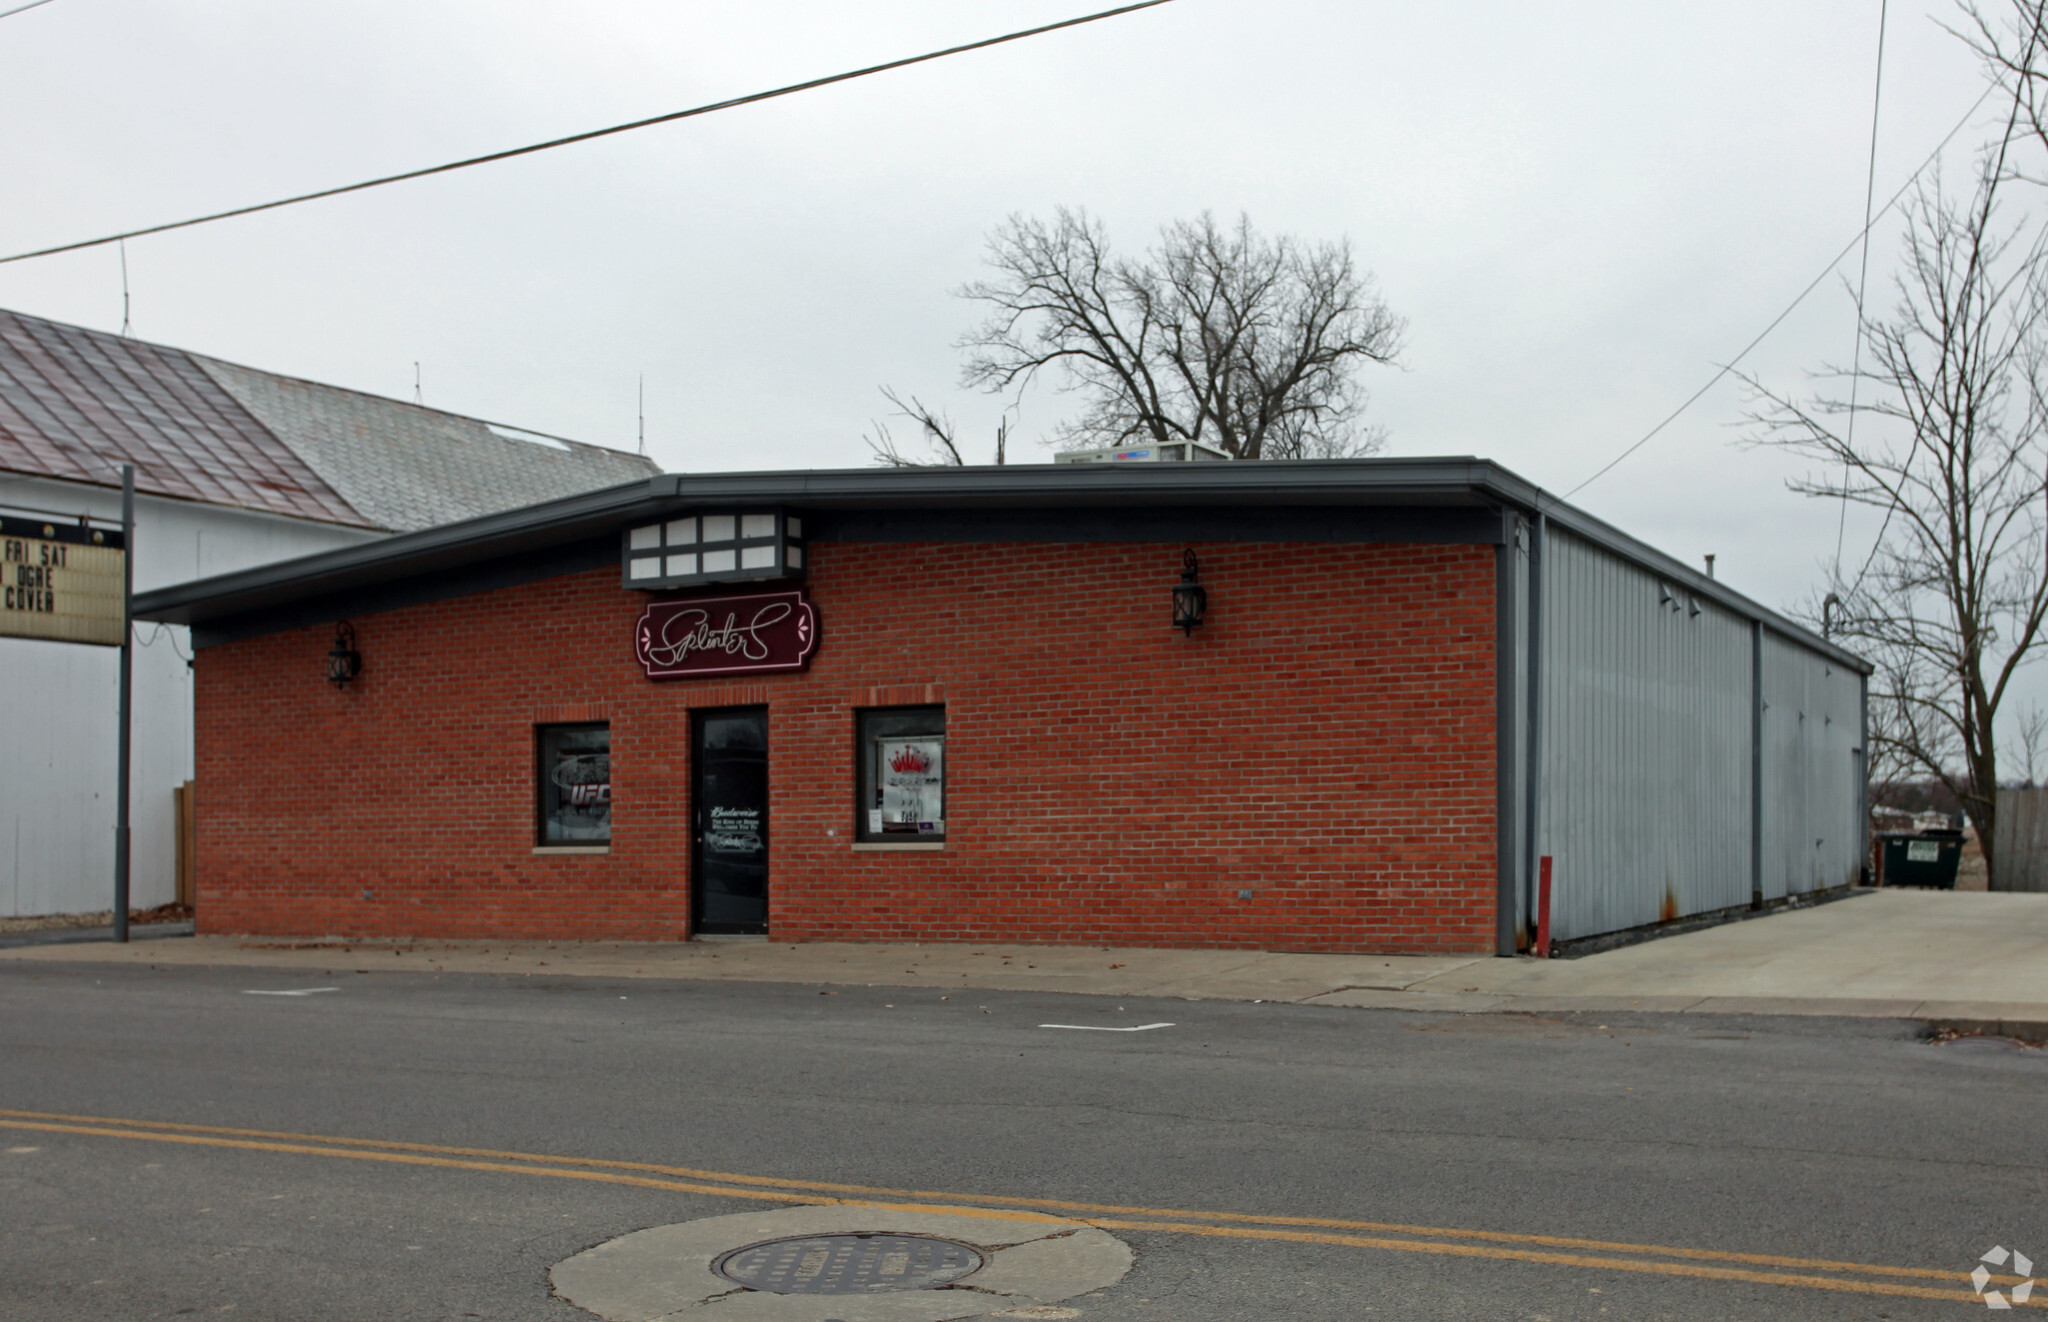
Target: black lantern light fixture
x,y
344,662
1190,600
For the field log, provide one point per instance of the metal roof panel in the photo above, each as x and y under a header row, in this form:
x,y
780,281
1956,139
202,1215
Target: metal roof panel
x,y
76,404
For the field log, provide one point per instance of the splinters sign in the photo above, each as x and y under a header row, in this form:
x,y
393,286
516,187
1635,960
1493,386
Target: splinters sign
x,y
726,635
60,581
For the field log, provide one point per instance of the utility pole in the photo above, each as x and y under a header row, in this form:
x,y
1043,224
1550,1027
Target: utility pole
x,y
127,690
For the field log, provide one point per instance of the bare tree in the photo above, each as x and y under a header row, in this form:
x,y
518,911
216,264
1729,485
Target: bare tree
x,y
1887,766
1952,445
2014,50
942,447
1215,335
2032,727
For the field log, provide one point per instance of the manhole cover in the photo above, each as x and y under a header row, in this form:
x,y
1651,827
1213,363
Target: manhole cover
x,y
849,1264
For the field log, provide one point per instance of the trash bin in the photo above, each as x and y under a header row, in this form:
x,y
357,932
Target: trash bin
x,y
1922,858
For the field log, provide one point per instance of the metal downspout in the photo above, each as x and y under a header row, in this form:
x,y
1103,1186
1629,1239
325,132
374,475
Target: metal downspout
x,y
1506,843
124,738
1864,871
1756,764
1531,775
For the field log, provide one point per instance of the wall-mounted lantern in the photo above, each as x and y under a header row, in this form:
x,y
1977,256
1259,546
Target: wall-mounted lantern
x,y
1190,601
344,662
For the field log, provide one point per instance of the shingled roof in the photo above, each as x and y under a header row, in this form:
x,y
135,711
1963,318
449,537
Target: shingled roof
x,y
75,404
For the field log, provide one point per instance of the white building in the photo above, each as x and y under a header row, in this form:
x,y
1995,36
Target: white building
x,y
234,467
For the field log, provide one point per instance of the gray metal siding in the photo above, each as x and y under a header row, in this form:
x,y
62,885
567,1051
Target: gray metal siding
x,y
1644,776
57,824
1812,746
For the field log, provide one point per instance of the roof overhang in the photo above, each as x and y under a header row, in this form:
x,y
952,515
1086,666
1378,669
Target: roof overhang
x,y
528,534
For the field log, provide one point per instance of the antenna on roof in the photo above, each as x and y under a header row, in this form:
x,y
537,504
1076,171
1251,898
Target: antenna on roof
x,y
643,413
416,397
124,289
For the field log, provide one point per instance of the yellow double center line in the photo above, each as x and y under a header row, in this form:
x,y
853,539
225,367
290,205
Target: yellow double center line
x,y
1607,1255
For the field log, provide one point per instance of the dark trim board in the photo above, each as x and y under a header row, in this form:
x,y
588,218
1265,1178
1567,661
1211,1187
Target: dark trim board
x,y
1450,525
354,603
1409,525
72,533
1423,499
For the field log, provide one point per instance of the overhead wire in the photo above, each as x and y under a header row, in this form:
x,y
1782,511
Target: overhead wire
x,y
1826,271
2011,124
9,13
1863,272
160,631
552,143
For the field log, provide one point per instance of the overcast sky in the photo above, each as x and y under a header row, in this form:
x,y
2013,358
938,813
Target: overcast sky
x,y
1581,208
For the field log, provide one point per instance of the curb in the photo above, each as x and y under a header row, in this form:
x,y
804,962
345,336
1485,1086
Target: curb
x,y
2027,1030
2025,1019
65,936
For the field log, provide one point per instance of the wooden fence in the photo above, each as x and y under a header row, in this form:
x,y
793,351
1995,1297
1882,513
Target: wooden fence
x,y
2020,861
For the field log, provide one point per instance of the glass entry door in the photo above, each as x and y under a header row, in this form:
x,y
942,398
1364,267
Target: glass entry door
x,y
729,873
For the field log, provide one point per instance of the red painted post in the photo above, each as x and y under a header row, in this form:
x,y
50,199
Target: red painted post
x,y
1543,908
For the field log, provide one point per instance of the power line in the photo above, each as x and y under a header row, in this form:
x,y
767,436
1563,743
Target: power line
x,y
2012,120
1829,270
1912,452
9,13
552,143
1863,273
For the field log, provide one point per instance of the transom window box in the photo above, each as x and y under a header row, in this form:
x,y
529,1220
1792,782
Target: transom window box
x,y
714,546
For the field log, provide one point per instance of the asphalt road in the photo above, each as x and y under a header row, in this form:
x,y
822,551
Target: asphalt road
x,y
1725,1143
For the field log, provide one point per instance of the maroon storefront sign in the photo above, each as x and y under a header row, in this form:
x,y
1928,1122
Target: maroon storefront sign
x,y
726,635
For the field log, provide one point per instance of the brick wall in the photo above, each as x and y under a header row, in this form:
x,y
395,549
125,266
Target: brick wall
x,y
1325,741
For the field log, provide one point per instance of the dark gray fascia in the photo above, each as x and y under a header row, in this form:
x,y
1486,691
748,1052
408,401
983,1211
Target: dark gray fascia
x,y
451,546
576,518
1454,481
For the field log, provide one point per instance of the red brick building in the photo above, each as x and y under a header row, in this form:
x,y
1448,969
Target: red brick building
x,y
890,705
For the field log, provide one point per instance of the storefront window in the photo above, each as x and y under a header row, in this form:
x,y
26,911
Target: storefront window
x,y
902,774
575,789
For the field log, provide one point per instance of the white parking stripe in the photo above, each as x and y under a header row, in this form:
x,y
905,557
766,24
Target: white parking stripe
x,y
1103,1028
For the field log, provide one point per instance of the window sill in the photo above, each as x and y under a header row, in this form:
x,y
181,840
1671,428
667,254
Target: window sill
x,y
893,846
572,849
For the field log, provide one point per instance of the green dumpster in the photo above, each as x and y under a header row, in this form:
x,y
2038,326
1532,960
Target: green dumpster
x,y
1922,858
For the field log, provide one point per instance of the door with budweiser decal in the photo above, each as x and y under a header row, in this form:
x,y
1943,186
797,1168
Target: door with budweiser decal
x,y
729,871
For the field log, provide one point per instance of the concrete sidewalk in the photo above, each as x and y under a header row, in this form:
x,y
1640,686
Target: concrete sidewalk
x,y
1970,961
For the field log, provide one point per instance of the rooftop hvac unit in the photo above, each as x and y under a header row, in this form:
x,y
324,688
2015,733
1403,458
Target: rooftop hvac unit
x,y
1172,452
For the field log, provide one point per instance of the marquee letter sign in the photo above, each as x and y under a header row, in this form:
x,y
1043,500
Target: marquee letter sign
x,y
726,635
60,581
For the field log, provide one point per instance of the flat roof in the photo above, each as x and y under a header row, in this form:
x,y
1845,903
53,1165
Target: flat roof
x,y
1447,484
